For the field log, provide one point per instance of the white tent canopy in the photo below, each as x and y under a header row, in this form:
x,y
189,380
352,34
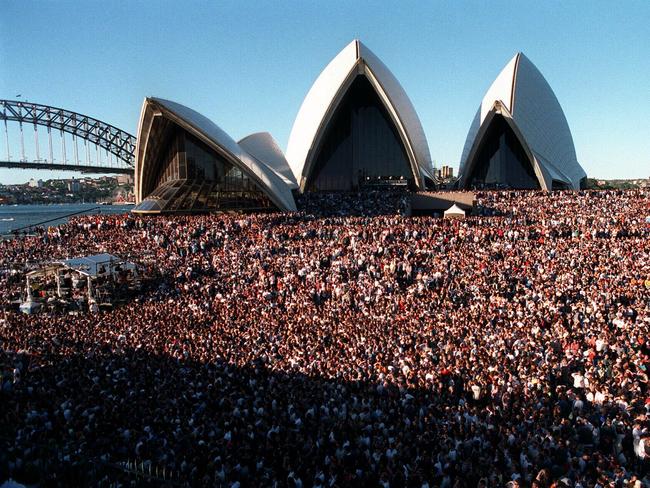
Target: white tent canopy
x,y
96,265
454,212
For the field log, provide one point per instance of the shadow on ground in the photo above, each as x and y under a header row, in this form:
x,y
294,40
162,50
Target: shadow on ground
x,y
134,418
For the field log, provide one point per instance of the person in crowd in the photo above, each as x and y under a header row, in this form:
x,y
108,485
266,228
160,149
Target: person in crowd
x,y
345,345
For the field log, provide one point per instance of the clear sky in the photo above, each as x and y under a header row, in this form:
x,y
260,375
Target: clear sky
x,y
248,65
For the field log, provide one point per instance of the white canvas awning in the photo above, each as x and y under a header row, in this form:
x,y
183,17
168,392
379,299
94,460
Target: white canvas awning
x,y
454,212
96,265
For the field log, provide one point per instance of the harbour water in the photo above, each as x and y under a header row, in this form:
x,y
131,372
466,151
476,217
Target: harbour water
x,y
14,217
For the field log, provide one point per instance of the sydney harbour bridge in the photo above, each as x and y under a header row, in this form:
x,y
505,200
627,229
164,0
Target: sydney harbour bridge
x,y
62,140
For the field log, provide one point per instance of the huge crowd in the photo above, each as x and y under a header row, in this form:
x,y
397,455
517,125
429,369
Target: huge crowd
x,y
507,349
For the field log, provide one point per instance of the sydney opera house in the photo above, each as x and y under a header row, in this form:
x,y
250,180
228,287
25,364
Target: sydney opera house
x,y
355,129
520,137
186,163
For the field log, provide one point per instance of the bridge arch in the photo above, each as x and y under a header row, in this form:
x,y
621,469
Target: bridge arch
x,y
115,141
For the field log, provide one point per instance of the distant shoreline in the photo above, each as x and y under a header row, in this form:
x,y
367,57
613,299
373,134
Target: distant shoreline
x,y
15,217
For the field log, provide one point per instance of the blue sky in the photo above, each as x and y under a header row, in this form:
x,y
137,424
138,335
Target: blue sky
x,y
248,65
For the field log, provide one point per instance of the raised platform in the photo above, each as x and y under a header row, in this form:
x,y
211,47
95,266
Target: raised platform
x,y
434,203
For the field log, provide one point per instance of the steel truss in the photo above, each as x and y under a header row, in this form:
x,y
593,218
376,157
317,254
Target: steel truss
x,y
116,141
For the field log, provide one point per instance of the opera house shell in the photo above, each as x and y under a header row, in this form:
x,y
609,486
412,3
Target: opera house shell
x,y
520,137
186,163
357,128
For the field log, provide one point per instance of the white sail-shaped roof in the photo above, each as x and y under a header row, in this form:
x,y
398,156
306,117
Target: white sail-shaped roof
x,y
521,94
326,93
213,136
263,147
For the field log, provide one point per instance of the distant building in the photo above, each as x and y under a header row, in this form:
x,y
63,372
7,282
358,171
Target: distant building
x,y
124,179
447,172
73,186
443,173
35,183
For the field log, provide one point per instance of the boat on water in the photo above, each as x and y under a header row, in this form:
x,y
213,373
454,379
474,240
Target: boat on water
x,y
9,219
117,202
